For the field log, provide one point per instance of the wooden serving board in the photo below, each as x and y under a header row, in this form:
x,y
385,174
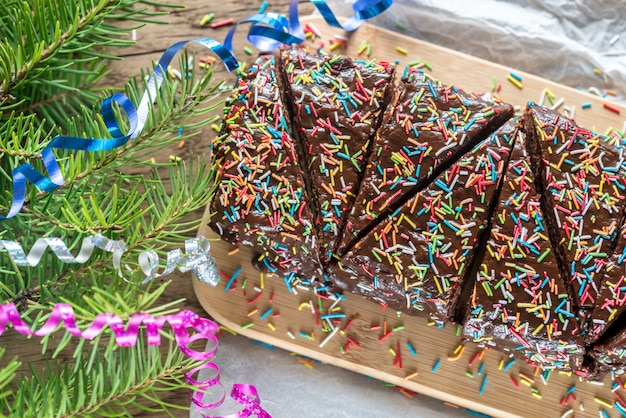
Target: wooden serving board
x,y
262,308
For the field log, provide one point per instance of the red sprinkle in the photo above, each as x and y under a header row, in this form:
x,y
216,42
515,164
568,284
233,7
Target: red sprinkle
x,y
222,23
611,108
384,336
353,342
349,324
256,298
514,382
473,360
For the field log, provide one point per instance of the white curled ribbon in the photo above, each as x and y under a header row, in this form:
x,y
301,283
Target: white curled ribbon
x,y
196,258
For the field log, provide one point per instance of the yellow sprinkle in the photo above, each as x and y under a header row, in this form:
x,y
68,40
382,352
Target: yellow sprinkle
x,y
458,352
516,83
335,46
304,305
402,50
227,330
271,326
597,71
603,402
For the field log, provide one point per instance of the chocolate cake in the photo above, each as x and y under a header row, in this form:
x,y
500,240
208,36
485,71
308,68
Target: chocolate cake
x,y
583,181
427,126
519,302
416,260
260,198
337,105
611,301
425,199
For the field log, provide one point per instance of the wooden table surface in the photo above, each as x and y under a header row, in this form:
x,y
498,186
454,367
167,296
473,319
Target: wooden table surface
x,y
151,43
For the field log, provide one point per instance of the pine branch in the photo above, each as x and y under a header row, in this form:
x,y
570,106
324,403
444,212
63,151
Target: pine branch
x,y
38,62
104,380
48,72
98,197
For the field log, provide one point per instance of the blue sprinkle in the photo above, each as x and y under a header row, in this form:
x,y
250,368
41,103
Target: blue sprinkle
x,y
232,279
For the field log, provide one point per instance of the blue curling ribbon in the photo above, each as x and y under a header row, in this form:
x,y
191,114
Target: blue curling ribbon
x,y
137,118
267,32
363,10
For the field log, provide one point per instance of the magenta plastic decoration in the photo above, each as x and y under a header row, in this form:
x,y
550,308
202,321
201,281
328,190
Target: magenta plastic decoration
x,y
127,336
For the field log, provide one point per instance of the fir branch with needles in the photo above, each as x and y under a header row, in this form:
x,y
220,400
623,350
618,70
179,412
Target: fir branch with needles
x,y
50,77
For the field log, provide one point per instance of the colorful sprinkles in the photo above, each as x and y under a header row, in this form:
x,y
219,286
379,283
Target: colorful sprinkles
x,y
585,176
237,140
426,125
416,260
261,198
337,102
517,305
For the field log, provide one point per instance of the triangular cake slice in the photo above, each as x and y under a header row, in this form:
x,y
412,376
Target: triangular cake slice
x,y
427,126
611,302
260,198
519,301
582,178
337,104
415,261
609,355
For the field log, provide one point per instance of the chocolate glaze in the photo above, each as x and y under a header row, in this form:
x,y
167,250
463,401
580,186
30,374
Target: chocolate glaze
x,y
407,252
416,259
583,181
336,104
518,304
260,199
427,126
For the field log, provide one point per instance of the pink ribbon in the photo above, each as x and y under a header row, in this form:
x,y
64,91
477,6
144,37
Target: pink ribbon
x,y
126,336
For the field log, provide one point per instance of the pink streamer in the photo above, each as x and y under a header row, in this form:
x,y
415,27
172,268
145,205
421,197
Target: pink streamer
x,y
126,336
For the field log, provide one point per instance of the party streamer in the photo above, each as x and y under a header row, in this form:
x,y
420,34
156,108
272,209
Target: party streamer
x,y
197,256
63,315
267,32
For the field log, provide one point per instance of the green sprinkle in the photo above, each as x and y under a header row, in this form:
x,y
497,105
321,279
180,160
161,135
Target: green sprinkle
x,y
544,255
401,26
248,325
247,50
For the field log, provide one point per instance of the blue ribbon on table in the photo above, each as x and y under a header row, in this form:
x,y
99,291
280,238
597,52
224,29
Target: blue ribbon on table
x,y
267,32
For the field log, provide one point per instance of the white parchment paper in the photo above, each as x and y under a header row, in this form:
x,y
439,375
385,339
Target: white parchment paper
x,y
562,40
289,389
